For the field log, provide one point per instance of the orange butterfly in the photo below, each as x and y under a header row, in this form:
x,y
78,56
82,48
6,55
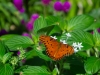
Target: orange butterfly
x,y
56,50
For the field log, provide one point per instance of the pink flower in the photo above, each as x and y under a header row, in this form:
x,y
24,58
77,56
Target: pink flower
x,y
58,6
98,30
34,16
66,6
18,53
3,32
30,24
26,34
45,2
19,5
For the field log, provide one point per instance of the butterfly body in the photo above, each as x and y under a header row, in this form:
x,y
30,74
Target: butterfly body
x,y
56,50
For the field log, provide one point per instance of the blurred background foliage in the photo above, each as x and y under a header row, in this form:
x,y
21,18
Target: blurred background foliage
x,y
18,18
14,21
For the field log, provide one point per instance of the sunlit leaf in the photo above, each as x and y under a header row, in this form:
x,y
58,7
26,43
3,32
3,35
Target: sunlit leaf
x,y
18,41
35,70
92,65
39,23
51,20
6,69
96,37
7,37
6,57
80,22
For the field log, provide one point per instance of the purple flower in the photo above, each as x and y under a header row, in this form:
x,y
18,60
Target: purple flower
x,y
66,6
18,53
34,17
58,6
3,32
26,34
22,10
46,2
23,60
98,30
23,22
92,32
19,5
29,26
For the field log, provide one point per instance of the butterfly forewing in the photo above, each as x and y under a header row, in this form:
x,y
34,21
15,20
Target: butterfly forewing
x,y
50,44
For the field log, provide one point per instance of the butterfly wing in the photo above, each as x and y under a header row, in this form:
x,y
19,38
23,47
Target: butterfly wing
x,y
54,49
50,44
64,50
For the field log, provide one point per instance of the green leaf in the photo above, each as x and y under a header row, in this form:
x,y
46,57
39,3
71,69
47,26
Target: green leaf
x,y
46,29
92,65
31,54
2,49
50,30
63,24
6,69
82,36
95,25
51,20
66,65
35,70
19,41
55,71
39,23
39,53
56,29
36,52
7,37
6,57
96,37
80,22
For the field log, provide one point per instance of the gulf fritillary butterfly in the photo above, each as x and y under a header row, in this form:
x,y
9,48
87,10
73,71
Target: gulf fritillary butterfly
x,y
56,50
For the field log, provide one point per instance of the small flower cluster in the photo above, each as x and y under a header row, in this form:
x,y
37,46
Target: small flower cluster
x,y
21,54
20,58
58,6
14,60
76,45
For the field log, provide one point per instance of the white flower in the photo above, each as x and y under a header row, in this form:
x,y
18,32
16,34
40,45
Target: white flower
x,y
76,50
63,41
74,44
54,37
68,34
79,45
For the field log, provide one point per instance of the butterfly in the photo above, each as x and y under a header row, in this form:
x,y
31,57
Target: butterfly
x,y
54,49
